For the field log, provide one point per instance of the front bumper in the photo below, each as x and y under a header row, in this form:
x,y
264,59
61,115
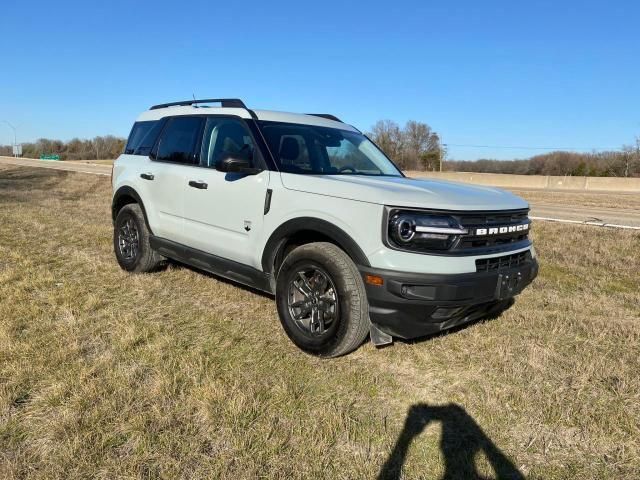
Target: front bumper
x,y
410,305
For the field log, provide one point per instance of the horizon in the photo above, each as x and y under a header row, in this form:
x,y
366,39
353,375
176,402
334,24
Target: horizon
x,y
539,152
510,79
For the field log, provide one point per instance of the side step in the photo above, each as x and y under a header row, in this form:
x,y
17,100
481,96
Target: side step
x,y
378,337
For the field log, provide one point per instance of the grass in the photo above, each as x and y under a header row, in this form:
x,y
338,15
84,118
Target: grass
x,y
180,375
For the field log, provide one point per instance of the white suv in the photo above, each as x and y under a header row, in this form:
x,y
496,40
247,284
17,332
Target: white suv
x,y
307,208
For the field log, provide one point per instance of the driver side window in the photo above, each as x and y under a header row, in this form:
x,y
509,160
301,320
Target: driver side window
x,y
224,137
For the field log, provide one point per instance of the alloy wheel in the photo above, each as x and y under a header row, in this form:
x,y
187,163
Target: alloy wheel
x,y
128,239
312,300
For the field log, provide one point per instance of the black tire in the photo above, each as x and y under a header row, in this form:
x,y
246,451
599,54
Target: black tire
x,y
345,321
131,228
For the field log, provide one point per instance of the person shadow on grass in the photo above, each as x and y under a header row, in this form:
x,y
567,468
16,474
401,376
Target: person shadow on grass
x,y
462,438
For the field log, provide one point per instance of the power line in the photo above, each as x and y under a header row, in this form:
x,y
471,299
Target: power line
x,y
13,128
533,148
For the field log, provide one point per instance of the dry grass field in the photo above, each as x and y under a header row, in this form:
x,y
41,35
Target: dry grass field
x,y
177,374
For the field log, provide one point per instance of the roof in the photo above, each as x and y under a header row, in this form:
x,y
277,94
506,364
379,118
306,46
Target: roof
x,y
268,115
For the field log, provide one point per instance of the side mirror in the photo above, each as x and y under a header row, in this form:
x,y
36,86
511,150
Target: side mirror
x,y
236,165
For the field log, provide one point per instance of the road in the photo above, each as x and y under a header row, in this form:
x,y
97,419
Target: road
x,y
592,215
58,165
541,210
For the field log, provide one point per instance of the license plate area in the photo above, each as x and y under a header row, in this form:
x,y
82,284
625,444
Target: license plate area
x,y
509,284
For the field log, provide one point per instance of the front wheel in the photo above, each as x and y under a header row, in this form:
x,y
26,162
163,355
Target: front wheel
x,y
321,300
131,241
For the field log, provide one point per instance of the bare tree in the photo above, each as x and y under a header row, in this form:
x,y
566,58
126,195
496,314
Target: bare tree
x,y
415,147
630,158
422,146
388,137
98,144
416,141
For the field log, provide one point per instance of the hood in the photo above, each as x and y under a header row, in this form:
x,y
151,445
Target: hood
x,y
406,192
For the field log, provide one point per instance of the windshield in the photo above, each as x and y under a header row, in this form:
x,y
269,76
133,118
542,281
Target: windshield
x,y
313,150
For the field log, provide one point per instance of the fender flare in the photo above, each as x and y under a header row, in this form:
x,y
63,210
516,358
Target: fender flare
x,y
127,191
314,225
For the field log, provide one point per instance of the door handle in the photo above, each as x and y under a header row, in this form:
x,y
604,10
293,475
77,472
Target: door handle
x,y
147,176
198,184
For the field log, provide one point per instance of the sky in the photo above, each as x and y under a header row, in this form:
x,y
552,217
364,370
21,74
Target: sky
x,y
485,75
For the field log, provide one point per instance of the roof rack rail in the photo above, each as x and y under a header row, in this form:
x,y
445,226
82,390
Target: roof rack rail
x,y
328,116
224,102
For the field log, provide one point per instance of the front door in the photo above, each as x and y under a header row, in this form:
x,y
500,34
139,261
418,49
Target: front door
x,y
223,212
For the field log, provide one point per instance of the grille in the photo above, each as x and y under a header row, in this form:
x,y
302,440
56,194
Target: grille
x,y
505,262
487,220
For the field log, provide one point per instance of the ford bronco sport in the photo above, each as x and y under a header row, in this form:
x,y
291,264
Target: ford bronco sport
x,y
307,208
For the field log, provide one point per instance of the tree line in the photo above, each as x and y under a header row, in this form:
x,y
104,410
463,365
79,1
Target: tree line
x,y
623,163
415,146
97,148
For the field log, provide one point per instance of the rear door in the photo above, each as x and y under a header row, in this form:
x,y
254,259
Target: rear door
x,y
173,154
223,212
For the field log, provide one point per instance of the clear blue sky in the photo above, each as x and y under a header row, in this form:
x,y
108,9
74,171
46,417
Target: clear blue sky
x,y
508,73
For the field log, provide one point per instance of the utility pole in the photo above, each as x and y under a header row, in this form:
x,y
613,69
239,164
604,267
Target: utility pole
x,y
15,143
442,147
637,152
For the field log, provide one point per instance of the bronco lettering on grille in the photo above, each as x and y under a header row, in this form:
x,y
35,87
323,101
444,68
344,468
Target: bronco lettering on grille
x,y
499,230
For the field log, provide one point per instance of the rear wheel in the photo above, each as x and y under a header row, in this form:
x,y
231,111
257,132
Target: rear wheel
x,y
322,301
131,241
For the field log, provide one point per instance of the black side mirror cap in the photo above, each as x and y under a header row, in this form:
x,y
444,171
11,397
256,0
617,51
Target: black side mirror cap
x,y
236,165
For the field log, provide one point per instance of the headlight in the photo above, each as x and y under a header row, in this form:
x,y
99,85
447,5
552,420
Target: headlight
x,y
414,230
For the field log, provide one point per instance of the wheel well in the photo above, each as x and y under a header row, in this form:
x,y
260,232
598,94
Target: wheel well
x,y
119,202
125,196
302,230
297,239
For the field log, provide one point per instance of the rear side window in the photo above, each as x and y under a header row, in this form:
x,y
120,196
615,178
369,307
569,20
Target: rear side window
x,y
178,140
142,137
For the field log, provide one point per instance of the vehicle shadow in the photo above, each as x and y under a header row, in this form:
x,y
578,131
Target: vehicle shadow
x,y
489,316
176,264
462,438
